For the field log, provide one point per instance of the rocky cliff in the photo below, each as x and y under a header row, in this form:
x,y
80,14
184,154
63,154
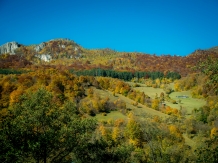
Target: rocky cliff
x,y
39,47
9,48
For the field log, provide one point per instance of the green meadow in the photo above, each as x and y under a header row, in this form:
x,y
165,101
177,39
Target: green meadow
x,y
188,103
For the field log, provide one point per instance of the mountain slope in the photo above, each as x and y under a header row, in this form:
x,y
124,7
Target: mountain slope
x,y
69,55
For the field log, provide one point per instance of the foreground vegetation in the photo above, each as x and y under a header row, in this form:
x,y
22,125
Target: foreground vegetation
x,y
45,117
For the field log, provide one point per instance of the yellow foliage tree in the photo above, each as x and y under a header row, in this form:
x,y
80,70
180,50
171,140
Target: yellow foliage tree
x,y
176,86
155,104
15,95
214,132
134,132
116,134
174,130
119,122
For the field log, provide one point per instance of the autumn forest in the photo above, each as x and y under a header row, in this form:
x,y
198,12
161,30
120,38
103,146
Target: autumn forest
x,y
62,103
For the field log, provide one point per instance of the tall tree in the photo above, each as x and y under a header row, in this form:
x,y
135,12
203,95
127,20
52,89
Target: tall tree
x,y
44,132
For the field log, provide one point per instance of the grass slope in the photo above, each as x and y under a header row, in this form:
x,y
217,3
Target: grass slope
x,y
140,109
113,115
188,103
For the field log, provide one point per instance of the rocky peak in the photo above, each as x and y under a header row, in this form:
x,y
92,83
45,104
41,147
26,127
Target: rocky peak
x,y
9,47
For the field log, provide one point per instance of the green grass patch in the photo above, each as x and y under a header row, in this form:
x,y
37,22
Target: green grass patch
x,y
188,103
113,115
140,109
150,91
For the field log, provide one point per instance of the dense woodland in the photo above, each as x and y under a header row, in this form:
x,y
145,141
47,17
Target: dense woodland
x,y
48,109
127,76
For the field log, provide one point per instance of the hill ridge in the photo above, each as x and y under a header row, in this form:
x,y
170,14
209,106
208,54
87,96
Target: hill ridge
x,y
70,55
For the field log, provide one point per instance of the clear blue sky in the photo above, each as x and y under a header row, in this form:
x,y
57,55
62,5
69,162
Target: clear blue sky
x,y
150,26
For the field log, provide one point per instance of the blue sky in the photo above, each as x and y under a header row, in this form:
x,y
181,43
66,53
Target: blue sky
x,y
176,27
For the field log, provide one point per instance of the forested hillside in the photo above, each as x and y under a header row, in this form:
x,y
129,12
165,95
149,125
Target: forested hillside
x,y
56,97
70,55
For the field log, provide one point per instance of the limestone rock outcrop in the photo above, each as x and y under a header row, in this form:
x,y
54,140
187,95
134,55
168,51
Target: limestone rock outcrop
x,y
39,47
9,47
44,57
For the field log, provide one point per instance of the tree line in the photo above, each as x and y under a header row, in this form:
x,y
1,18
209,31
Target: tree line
x,y
127,76
11,71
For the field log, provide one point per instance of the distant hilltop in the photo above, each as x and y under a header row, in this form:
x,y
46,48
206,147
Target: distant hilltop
x,y
10,47
68,53
45,51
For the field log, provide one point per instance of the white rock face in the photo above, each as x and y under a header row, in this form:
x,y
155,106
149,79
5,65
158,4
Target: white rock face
x,y
9,47
62,46
40,47
45,57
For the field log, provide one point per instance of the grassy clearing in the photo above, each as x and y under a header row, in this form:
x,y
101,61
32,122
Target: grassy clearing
x,y
188,103
150,91
140,109
113,115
